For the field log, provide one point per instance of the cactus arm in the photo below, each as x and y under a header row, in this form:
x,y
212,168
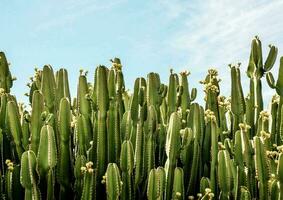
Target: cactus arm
x,y
101,145
28,175
172,94
152,185
178,185
245,194
36,122
262,167
224,174
89,182
6,81
113,182
62,85
279,83
172,148
15,126
127,166
64,129
48,87
271,58
280,173
139,158
102,90
47,150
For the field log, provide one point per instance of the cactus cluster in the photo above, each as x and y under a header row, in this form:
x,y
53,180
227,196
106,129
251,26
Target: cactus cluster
x,y
154,143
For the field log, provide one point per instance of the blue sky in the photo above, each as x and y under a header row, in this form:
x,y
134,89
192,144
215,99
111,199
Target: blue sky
x,y
146,35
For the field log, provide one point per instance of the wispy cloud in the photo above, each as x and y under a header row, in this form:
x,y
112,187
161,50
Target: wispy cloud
x,y
216,33
73,10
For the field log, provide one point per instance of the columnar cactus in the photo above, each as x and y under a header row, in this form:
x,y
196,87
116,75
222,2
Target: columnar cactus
x,y
29,177
173,146
262,168
154,142
6,80
156,184
127,166
113,182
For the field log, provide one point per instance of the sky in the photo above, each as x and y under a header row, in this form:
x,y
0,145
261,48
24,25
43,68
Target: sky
x,y
146,35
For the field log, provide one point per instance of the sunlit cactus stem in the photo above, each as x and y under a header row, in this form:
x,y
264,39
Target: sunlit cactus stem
x,y
15,126
64,169
127,166
173,145
6,80
36,119
113,182
238,106
89,182
29,177
262,167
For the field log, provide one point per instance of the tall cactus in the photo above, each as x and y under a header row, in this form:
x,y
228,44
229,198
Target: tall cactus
x,y
36,119
113,182
262,167
173,146
6,80
15,126
156,184
127,166
47,159
29,177
64,169
153,142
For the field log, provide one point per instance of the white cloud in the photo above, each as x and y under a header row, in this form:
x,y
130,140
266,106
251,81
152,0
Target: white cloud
x,y
72,10
216,33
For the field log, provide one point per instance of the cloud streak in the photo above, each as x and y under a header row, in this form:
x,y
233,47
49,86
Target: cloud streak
x,y
216,33
73,10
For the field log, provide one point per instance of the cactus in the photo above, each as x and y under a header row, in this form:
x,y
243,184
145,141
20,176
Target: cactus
x,y
224,174
154,142
173,146
48,88
113,182
262,167
6,80
237,98
280,174
64,169
178,186
89,182
15,126
36,119
156,184
127,166
29,177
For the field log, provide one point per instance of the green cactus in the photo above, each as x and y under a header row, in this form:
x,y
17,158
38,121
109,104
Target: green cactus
x,y
113,182
280,173
173,146
6,80
224,174
48,88
12,180
238,106
262,168
64,169
178,185
154,142
15,126
88,182
62,85
29,177
36,119
127,166
156,184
